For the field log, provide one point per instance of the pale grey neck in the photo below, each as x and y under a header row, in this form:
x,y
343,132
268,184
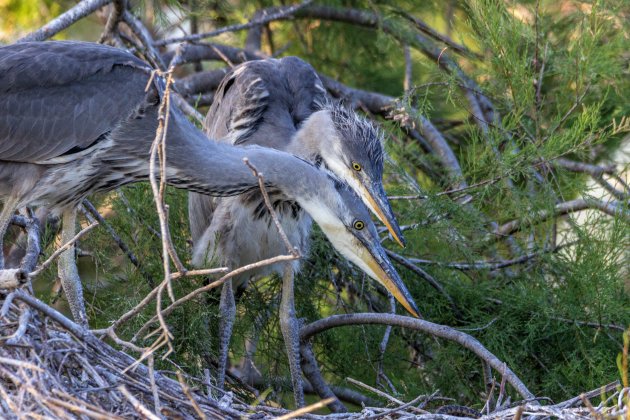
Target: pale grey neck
x,y
199,164
315,138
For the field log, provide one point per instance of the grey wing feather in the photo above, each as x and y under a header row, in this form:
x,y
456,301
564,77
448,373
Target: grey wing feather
x,y
84,93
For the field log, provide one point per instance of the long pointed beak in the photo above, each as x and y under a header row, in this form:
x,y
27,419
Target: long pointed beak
x,y
382,270
376,199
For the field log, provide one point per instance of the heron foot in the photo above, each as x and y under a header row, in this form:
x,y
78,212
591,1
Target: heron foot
x,y
68,272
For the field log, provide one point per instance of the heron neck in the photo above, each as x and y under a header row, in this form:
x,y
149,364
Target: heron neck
x,y
315,138
208,167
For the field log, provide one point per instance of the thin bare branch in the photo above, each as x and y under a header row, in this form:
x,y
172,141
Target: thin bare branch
x,y
143,34
88,209
611,208
186,391
491,265
425,276
217,283
428,30
589,168
61,249
384,395
386,413
261,183
597,325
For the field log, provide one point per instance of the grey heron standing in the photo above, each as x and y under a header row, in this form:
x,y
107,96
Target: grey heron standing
x,y
280,104
76,118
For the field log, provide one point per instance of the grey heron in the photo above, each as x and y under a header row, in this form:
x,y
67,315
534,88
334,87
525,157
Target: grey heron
x,y
280,104
77,118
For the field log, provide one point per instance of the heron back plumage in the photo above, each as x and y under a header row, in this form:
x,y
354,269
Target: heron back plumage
x,y
49,95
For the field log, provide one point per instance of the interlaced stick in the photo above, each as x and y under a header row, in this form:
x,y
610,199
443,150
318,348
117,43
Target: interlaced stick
x,y
141,409
305,410
384,395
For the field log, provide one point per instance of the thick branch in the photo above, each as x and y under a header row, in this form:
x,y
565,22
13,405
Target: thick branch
x,y
314,376
204,81
64,20
191,53
436,330
268,15
253,42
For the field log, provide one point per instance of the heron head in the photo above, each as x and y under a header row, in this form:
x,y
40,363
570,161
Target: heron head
x,y
351,147
346,222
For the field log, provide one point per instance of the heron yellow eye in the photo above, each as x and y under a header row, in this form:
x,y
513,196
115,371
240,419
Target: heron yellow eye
x,y
356,166
358,225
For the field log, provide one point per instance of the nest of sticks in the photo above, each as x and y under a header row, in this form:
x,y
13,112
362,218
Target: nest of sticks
x,y
50,367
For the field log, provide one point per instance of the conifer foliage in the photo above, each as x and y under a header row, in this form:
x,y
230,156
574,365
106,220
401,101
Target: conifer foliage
x,y
506,125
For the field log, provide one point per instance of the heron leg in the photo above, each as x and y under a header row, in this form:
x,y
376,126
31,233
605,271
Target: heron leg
x,y
290,327
5,217
68,272
227,313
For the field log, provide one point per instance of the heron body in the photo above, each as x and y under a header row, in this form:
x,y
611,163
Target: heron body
x,y
77,118
281,104
242,232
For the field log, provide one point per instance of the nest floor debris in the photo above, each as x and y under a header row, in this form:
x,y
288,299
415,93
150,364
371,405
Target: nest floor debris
x,y
51,367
